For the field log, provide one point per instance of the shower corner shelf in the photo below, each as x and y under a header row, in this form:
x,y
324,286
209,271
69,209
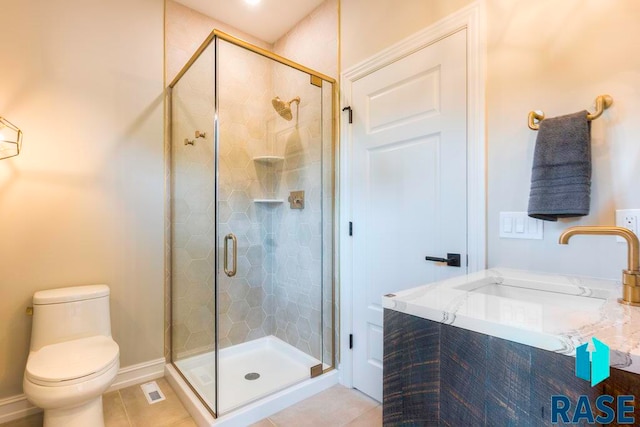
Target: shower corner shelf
x,y
268,201
268,159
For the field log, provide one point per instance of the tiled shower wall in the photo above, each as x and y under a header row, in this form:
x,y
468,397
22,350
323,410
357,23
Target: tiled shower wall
x,y
302,239
244,100
278,286
297,238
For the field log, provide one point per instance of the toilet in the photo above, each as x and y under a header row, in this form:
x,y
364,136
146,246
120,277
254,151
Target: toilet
x,y
73,359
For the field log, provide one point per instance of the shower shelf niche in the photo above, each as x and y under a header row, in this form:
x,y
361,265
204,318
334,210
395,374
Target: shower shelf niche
x,y
268,201
268,159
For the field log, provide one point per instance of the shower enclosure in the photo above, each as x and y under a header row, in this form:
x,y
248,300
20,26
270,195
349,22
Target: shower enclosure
x,y
252,207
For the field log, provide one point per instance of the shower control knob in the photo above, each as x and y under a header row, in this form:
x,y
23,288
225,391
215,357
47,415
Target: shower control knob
x,y
296,200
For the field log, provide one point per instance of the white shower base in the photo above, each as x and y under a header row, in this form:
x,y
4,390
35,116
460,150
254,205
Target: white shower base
x,y
279,365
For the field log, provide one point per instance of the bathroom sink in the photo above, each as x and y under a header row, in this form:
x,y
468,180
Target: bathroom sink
x,y
529,304
547,311
546,297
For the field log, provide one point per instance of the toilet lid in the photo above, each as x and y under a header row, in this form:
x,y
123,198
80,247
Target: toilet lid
x,y
72,359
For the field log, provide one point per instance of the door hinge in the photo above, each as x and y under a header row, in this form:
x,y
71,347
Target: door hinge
x,y
316,81
350,228
350,341
350,113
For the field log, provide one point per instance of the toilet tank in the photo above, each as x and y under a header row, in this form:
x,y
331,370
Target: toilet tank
x,y
70,313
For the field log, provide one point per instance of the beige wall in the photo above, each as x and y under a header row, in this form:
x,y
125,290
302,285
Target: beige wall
x,y
84,202
548,55
313,42
559,62
186,29
367,26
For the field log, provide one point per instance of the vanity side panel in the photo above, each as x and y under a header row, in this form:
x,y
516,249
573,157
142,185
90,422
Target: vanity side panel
x,y
554,374
437,374
623,383
422,372
411,370
393,366
462,377
508,384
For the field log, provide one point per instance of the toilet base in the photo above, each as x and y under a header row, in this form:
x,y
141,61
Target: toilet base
x,y
88,414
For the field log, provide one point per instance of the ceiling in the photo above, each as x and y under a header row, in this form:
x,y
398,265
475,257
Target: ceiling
x,y
268,20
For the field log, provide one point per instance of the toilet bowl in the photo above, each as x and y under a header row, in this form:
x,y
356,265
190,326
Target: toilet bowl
x,y
73,359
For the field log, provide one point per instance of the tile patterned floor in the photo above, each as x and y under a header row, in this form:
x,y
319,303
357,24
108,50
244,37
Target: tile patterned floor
x,y
336,407
128,408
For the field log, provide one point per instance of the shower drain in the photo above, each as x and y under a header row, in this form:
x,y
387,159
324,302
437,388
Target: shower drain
x,y
252,376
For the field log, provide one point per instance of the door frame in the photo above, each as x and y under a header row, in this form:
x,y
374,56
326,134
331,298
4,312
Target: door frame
x,y
470,17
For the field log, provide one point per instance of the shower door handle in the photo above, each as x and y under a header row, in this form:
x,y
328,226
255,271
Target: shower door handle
x,y
231,237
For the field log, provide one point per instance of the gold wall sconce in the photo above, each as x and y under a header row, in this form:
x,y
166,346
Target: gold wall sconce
x,y
10,139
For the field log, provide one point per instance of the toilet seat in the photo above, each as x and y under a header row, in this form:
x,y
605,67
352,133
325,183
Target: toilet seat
x,y
72,361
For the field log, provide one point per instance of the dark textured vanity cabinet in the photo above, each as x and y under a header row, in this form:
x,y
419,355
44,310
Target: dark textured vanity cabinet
x,y
442,375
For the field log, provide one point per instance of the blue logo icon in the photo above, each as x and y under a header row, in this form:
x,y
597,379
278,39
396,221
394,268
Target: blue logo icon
x,y
596,370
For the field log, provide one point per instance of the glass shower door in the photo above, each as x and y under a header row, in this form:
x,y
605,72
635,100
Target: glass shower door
x,y
193,340
269,225
251,227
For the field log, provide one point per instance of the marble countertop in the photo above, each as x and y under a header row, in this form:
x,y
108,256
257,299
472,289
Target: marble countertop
x,y
549,319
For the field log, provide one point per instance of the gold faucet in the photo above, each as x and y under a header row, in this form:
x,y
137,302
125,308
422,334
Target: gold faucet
x,y
630,276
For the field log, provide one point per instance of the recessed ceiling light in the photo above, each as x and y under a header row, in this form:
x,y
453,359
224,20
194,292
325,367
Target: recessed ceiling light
x,y
252,2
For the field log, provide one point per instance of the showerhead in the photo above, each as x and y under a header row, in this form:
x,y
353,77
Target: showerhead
x,y
284,108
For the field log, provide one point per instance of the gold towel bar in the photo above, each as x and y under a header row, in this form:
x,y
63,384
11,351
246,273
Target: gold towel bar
x,y
602,103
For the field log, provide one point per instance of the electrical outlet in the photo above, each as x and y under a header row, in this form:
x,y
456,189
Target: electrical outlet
x,y
627,218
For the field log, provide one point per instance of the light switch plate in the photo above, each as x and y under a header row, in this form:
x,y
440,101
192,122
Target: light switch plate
x,y
518,225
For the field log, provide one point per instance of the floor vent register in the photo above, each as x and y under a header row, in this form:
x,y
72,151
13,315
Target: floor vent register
x,y
152,392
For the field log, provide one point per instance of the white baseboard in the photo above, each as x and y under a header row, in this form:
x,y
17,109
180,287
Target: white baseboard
x,y
15,407
137,374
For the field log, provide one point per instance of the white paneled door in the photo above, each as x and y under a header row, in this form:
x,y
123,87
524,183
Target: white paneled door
x,y
409,178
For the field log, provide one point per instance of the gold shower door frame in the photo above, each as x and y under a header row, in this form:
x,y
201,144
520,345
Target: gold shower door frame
x,y
316,79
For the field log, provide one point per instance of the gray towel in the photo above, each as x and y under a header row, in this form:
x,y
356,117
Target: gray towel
x,y
561,174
